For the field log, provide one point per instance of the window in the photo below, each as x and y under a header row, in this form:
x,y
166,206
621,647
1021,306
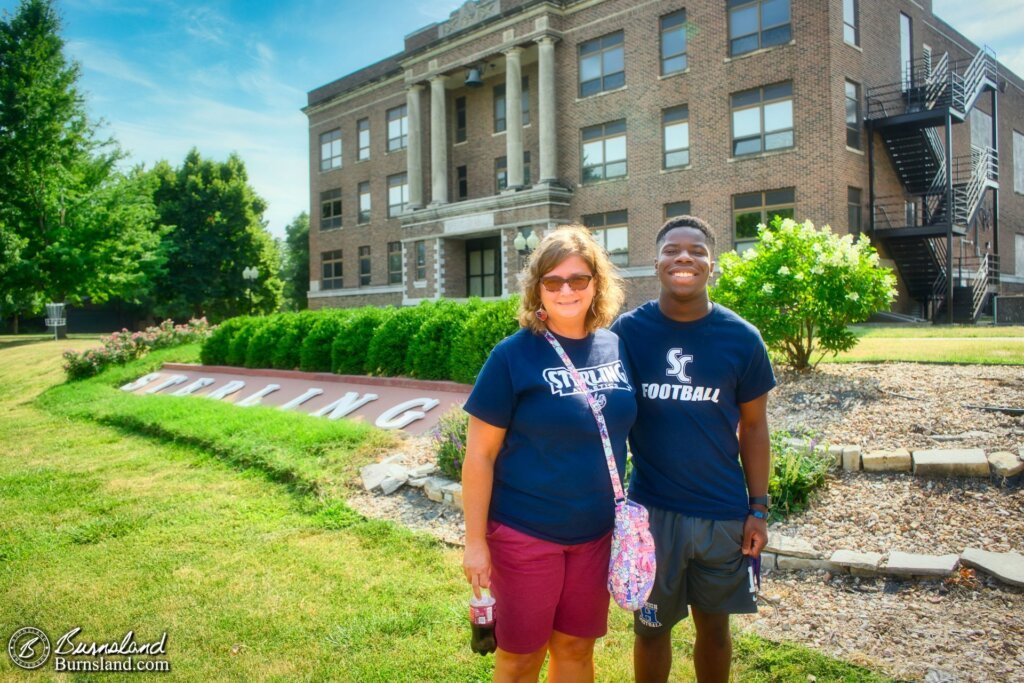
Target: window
x,y
421,259
330,209
853,116
611,231
364,202
330,150
981,129
906,52
398,128
674,209
1018,241
460,119
462,179
398,194
755,24
673,43
501,172
364,266
1018,162
331,269
762,119
675,137
854,210
483,267
602,64
748,210
394,263
604,151
851,25
500,120
363,135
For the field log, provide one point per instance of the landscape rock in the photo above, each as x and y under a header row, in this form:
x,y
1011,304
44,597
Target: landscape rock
x,y
1005,464
373,475
452,494
417,482
951,462
433,488
837,455
897,460
857,560
1007,567
424,470
851,458
914,564
768,561
394,481
786,563
792,547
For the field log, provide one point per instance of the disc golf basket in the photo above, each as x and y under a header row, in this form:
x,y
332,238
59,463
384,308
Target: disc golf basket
x,y
55,317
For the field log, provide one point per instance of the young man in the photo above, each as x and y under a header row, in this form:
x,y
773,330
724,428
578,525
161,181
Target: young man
x,y
702,373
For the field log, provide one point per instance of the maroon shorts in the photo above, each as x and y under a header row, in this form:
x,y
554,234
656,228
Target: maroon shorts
x,y
542,587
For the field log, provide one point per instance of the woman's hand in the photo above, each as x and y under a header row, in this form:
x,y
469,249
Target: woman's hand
x,y
476,563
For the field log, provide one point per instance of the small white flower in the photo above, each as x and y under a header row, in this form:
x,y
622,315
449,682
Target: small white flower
x,y
853,296
817,270
768,288
799,276
873,259
783,270
767,236
816,247
739,279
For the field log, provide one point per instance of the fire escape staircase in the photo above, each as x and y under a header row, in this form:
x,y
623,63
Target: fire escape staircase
x,y
915,226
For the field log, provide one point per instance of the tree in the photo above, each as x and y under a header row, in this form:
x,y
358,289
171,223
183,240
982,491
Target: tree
x,y
802,287
80,229
295,263
216,232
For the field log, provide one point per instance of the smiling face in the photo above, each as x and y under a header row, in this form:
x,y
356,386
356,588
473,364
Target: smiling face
x,y
684,264
567,309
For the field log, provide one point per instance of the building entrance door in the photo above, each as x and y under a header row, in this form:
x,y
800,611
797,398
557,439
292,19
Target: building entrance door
x,y
483,267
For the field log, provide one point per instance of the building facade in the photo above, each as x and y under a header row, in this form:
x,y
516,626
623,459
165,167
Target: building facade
x,y
432,170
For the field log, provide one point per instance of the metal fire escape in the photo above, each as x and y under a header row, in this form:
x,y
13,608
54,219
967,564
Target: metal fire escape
x,y
941,204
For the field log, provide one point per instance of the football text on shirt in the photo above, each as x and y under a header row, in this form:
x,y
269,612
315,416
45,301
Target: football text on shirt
x,y
679,392
599,377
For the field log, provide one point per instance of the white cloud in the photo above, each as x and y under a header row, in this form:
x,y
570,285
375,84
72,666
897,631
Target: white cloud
x,y
93,57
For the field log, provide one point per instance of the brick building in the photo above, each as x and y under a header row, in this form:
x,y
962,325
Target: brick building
x,y
431,170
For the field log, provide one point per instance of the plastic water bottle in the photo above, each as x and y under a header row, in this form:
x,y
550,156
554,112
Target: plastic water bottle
x,y
481,618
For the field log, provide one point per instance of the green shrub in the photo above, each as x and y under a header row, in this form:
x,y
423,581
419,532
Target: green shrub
x,y
449,441
348,352
488,325
239,347
431,348
215,348
315,354
796,473
263,342
293,331
803,287
390,343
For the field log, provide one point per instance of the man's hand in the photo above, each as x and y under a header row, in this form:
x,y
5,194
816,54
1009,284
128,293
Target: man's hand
x,y
755,536
476,564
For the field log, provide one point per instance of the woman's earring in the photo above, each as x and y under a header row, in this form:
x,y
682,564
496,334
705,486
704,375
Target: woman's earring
x,y
541,314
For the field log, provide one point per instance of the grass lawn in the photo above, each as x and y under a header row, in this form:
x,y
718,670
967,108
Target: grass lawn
x,y
228,529
936,344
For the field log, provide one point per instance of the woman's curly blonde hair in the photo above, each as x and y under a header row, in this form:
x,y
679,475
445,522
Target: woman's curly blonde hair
x,y
558,245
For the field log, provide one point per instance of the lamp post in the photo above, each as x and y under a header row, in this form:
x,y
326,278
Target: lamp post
x,y
525,242
250,275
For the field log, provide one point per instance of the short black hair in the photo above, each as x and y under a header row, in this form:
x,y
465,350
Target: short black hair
x,y
685,222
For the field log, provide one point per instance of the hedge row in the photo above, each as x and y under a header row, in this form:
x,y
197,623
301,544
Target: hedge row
x,y
436,340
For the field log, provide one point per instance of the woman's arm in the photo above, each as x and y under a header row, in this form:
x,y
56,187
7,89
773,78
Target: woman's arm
x,y
482,445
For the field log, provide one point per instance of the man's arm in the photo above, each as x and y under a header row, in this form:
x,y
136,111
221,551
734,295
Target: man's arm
x,y
755,454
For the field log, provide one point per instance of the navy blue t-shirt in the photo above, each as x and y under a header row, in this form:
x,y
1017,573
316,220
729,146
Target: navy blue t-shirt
x,y
550,477
691,378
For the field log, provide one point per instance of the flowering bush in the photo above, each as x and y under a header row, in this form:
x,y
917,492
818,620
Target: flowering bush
x,y
802,287
449,439
124,346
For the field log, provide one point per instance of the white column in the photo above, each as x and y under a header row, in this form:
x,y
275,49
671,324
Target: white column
x,y
546,107
438,142
414,151
514,116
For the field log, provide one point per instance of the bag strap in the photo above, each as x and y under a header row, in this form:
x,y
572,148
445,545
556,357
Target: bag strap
x,y
602,427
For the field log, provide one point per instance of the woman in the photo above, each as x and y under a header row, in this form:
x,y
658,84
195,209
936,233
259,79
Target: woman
x,y
536,490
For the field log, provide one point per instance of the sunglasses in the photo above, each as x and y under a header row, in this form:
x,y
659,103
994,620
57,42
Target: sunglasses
x,y
577,283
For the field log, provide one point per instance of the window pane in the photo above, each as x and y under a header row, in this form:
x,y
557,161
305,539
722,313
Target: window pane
x,y
773,197
746,224
590,87
593,153
615,148
778,140
742,99
674,19
673,159
590,67
615,81
778,115
677,209
617,239
782,213
475,287
613,60
615,127
777,91
743,21
743,45
613,39
475,263
851,112
615,170
776,36
674,64
677,136
489,286
746,122
673,42
746,146
849,34
746,201
774,12
616,217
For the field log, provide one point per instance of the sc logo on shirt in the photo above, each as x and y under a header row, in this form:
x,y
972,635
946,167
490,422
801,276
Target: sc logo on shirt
x,y
677,363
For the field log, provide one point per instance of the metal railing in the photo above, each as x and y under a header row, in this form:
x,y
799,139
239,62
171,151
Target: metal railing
x,y
984,169
956,84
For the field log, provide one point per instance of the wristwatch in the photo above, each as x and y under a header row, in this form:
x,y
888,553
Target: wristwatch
x,y
760,500
759,514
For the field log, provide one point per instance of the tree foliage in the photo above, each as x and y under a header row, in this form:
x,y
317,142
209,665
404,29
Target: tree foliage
x,y
295,263
216,232
802,287
73,226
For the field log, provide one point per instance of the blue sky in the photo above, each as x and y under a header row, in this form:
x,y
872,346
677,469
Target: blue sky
x,y
167,75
